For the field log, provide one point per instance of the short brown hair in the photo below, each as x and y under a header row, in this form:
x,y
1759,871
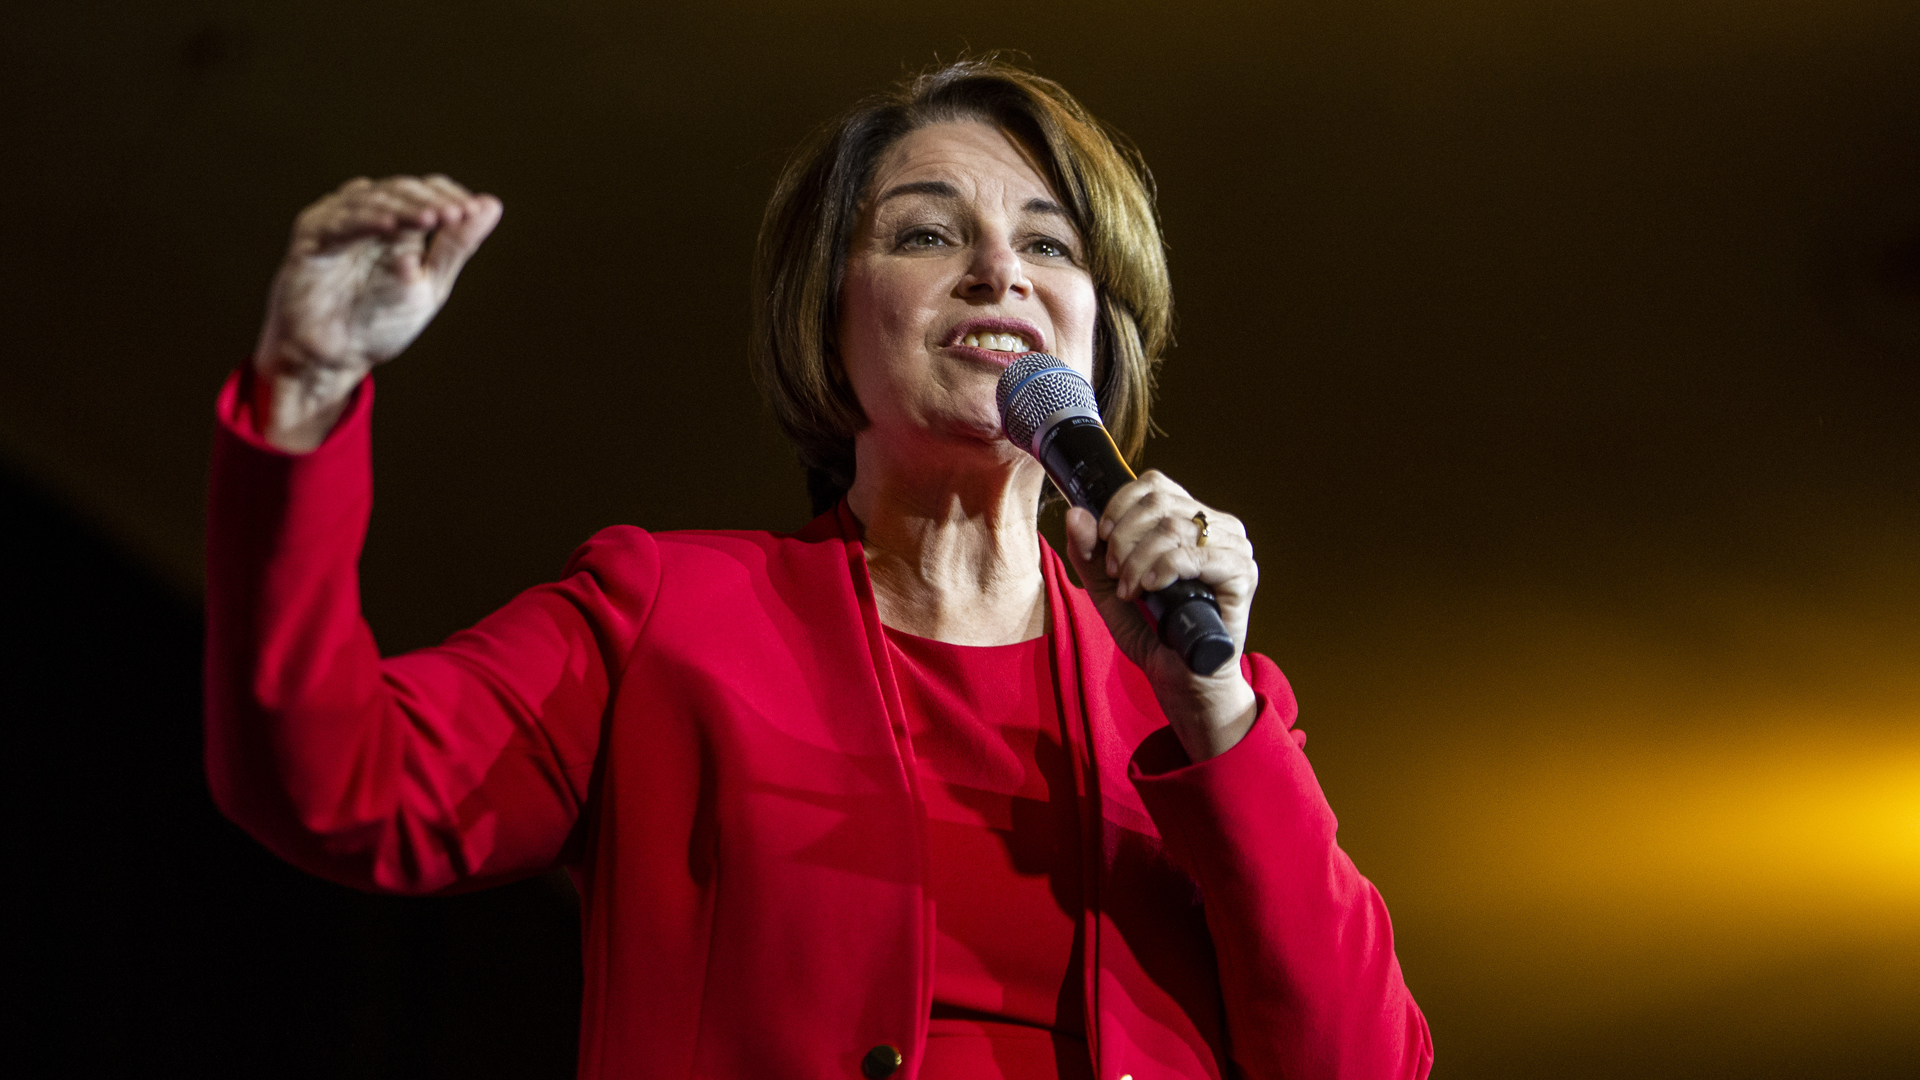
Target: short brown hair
x,y
801,257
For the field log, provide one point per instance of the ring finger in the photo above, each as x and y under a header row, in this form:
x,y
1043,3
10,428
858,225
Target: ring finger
x,y
1171,552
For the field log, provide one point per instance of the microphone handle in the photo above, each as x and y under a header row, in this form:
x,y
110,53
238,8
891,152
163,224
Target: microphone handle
x,y
1083,463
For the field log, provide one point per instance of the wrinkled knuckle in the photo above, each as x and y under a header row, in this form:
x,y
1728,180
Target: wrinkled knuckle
x,y
1143,560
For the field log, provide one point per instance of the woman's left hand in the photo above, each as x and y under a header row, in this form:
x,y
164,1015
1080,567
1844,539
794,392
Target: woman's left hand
x,y
1149,538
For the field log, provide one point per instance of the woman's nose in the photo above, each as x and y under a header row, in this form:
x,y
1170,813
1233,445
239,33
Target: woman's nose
x,y
995,271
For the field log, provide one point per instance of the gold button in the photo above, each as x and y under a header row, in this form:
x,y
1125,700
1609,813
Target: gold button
x,y
882,1061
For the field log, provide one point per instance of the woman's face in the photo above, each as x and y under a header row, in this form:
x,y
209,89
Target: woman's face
x,y
963,259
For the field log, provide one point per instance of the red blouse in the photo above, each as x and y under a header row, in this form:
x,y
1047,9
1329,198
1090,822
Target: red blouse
x,y
1003,838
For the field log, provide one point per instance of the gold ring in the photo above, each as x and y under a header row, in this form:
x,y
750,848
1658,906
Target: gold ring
x,y
1200,519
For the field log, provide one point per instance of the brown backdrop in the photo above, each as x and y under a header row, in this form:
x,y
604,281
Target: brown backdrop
x,y
1563,358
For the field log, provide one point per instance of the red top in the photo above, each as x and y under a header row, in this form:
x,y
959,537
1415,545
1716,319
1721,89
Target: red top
x,y
1003,841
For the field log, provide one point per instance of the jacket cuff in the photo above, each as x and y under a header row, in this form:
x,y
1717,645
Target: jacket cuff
x,y
1160,760
233,412
1217,813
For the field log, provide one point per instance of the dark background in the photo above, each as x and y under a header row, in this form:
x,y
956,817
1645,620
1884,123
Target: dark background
x,y
1563,358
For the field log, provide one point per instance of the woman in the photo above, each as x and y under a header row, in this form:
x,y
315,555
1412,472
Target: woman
x,y
887,796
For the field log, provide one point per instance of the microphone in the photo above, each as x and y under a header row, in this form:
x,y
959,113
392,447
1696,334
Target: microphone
x,y
1048,410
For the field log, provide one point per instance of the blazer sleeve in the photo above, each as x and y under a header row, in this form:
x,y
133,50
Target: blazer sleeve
x,y
1307,969
451,767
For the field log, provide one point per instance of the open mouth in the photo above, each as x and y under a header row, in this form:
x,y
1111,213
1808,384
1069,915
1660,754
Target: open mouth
x,y
996,339
1006,343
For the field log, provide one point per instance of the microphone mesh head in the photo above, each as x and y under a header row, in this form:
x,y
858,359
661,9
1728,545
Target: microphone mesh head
x,y
1035,387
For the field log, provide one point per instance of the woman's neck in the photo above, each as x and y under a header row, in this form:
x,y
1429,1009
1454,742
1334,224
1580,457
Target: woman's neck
x,y
956,556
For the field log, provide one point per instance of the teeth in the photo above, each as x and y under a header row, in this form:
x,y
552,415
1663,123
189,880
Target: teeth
x,y
1014,343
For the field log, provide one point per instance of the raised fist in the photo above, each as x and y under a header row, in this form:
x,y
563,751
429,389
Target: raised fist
x,y
367,268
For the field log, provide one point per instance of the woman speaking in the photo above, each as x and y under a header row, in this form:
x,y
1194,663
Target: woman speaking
x,y
889,796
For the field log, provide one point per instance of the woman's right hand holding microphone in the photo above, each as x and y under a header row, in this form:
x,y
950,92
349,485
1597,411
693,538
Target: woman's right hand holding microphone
x,y
367,268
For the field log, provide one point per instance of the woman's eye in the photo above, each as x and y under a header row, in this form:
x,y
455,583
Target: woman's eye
x,y
922,238
1052,249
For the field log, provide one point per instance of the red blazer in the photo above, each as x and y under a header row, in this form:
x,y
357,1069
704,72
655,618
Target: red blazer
x,y
703,727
